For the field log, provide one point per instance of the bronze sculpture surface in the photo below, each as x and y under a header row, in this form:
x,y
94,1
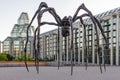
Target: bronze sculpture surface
x,y
67,25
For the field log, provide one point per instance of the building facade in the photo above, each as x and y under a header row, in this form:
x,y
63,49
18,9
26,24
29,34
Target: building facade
x,y
110,21
14,44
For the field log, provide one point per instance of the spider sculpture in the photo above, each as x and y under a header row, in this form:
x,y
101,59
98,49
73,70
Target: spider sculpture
x,y
67,25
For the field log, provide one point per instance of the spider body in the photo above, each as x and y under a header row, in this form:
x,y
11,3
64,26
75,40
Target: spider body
x,y
67,25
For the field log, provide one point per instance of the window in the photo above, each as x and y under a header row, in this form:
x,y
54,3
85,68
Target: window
x,y
101,41
114,19
114,33
114,40
90,37
106,22
105,28
100,36
90,32
114,27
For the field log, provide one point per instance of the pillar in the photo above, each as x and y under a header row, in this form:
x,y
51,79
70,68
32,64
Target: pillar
x,y
83,46
111,50
79,44
67,48
117,41
93,42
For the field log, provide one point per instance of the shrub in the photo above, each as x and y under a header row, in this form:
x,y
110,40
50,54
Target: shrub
x,y
3,57
22,58
47,59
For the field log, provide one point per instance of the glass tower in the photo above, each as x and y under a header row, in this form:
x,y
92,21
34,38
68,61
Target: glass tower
x,y
14,44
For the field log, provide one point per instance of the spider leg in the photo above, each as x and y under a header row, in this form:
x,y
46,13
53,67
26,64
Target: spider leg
x,y
58,45
106,45
94,22
92,17
85,41
71,48
58,20
82,6
37,34
52,12
35,48
102,32
49,23
36,38
42,4
38,43
100,27
27,35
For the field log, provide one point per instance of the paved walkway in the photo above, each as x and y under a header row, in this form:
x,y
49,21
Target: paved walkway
x,y
52,73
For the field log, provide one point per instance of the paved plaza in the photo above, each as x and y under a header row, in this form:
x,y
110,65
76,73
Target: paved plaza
x,y
52,73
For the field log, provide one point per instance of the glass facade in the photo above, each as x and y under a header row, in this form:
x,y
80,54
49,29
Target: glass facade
x,y
14,44
110,22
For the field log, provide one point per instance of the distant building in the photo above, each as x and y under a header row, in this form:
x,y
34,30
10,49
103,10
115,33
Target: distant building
x,y
14,44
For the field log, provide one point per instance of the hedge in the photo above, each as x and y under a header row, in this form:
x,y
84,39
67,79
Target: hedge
x,y
3,57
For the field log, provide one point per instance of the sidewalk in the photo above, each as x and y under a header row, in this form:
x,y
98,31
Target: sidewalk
x,y
20,64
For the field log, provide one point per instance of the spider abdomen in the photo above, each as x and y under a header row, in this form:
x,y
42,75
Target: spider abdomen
x,y
65,27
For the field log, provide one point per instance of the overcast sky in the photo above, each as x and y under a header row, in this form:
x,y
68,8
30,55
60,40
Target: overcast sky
x,y
10,10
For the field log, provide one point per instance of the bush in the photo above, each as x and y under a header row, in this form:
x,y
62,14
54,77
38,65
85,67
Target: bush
x,y
47,59
3,57
28,58
22,58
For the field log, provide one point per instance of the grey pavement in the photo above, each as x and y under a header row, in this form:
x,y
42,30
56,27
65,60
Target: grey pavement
x,y
52,73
